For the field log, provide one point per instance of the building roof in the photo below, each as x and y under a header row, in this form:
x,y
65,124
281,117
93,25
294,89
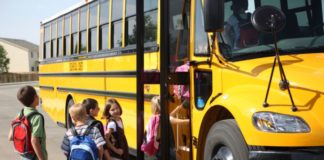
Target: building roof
x,y
21,43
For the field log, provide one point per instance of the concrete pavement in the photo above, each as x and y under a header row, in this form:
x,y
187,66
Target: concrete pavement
x,y
9,108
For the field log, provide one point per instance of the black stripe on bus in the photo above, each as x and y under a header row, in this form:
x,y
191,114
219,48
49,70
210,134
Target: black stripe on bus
x,y
105,93
46,87
151,47
91,74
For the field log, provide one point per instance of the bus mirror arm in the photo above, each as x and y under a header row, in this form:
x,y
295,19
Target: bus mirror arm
x,y
269,19
213,48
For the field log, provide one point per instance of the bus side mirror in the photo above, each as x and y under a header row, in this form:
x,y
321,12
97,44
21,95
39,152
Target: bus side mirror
x,y
214,15
268,19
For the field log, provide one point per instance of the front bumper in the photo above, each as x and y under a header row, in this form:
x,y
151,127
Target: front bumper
x,y
286,153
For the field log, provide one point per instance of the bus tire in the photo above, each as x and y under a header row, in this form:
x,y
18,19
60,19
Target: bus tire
x,y
67,114
225,142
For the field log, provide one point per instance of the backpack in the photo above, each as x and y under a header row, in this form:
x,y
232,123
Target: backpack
x,y
21,133
151,145
83,146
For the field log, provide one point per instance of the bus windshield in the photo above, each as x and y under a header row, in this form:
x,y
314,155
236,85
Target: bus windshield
x,y
303,32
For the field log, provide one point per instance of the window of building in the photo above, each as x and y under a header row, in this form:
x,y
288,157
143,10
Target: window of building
x,y
103,30
31,55
93,27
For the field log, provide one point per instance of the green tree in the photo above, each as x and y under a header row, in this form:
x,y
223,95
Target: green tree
x,y
4,61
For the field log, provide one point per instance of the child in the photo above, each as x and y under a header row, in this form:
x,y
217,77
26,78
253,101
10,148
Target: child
x,y
29,98
92,108
151,144
114,134
79,117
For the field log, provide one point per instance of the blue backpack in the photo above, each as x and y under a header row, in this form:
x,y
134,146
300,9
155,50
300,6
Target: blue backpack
x,y
82,147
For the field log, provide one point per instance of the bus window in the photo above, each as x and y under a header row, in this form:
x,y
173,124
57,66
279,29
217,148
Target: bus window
x,y
47,43
75,39
130,22
131,31
150,20
59,38
83,29
179,36
67,35
201,41
93,27
53,42
103,28
116,30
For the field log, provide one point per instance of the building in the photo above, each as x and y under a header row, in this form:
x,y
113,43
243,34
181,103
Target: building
x,y
23,55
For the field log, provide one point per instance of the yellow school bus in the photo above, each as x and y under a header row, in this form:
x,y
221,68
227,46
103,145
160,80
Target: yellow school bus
x,y
253,71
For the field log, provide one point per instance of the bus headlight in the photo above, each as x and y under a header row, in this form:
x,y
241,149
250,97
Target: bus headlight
x,y
280,123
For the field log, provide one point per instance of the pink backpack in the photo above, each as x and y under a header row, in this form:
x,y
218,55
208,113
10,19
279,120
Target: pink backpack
x,y
151,145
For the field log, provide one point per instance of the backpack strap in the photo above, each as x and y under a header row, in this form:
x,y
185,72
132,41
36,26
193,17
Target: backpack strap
x,y
93,123
73,131
88,130
117,127
30,115
98,125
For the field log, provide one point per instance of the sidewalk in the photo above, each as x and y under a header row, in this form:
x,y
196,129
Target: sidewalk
x,y
18,83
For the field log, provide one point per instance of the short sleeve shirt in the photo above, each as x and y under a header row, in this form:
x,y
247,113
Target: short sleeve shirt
x,y
38,128
112,125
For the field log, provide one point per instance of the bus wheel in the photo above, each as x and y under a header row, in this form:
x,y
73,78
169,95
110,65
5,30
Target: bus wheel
x,y
225,142
67,115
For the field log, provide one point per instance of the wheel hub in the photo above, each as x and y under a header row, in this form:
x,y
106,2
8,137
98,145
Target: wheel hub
x,y
223,153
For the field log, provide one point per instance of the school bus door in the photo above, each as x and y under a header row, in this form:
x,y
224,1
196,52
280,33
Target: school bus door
x,y
204,73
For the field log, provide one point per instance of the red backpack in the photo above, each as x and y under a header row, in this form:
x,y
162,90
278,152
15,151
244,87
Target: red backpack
x,y
21,133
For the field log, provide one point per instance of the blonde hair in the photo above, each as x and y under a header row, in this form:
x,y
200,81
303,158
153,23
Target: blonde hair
x,y
78,112
155,105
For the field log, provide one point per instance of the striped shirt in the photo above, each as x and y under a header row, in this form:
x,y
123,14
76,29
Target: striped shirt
x,y
94,134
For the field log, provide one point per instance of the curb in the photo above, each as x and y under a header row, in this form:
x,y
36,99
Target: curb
x,y
18,83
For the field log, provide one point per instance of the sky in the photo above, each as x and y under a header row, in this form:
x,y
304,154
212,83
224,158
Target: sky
x,y
20,19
